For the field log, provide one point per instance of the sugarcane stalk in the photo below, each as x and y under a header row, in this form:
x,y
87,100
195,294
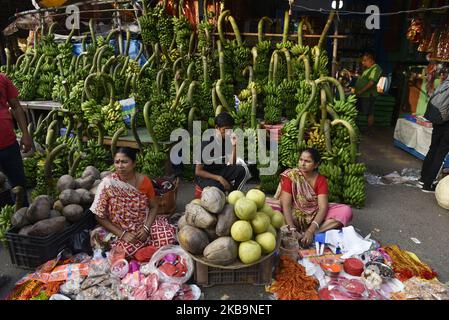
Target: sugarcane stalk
x,y
327,135
8,60
111,34
192,112
205,71
323,109
341,91
72,32
18,193
69,129
39,65
306,61
120,43
326,29
253,107
139,53
286,28
352,137
49,164
92,33
235,27
221,96
134,130
76,163
190,70
108,63
312,95
193,85
260,27
178,95
146,115
214,99
289,64
275,66
176,63
332,112
127,85
115,139
219,110
254,54
192,44
221,20
128,42
222,65
316,51
248,72
19,61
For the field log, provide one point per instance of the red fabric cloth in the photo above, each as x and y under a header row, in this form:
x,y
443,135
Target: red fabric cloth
x,y
320,186
144,254
7,91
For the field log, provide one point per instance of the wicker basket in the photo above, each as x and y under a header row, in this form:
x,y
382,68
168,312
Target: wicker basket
x,y
167,202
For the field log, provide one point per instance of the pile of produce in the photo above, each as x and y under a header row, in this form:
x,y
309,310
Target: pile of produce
x,y
45,217
224,231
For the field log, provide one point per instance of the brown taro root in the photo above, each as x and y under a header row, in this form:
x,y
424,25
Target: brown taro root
x,y
73,212
65,182
47,227
19,218
69,197
39,209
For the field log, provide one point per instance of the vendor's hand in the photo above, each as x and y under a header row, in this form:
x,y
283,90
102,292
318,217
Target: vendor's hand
x,y
26,143
225,183
233,139
142,235
307,239
130,237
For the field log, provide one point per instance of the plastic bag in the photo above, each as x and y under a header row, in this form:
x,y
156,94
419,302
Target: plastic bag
x,y
160,254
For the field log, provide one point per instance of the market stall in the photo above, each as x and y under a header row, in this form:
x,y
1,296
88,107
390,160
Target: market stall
x,y
191,70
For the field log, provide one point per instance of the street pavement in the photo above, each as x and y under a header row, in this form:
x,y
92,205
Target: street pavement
x,y
393,215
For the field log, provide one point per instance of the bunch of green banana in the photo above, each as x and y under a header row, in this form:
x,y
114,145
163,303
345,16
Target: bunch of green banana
x,y
289,89
262,61
29,165
346,108
242,117
321,61
148,25
112,115
164,28
354,190
73,103
41,183
205,30
355,169
92,111
302,97
273,104
168,121
288,147
151,161
5,221
182,31
27,89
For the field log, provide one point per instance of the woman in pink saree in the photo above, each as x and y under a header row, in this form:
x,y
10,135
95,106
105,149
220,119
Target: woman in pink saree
x,y
304,199
125,211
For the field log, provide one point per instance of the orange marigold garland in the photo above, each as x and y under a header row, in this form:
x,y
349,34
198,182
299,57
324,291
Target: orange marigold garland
x,y
406,267
292,283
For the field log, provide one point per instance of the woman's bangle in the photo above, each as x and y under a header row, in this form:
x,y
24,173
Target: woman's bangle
x,y
123,233
317,225
146,229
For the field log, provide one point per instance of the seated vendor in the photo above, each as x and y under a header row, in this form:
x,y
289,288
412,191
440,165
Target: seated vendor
x,y
125,209
304,199
220,170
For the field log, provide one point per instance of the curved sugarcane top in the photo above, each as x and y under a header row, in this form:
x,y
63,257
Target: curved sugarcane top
x,y
260,26
235,27
326,29
221,20
341,91
146,115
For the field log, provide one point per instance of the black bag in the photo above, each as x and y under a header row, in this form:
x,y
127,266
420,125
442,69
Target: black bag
x,y
437,110
80,242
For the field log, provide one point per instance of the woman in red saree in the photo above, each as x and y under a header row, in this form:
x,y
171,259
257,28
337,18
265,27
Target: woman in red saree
x,y
124,209
304,199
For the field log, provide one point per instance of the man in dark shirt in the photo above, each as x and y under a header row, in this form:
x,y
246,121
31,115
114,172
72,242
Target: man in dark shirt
x,y
219,169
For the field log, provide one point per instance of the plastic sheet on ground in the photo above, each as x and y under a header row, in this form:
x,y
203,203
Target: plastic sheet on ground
x,y
407,176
